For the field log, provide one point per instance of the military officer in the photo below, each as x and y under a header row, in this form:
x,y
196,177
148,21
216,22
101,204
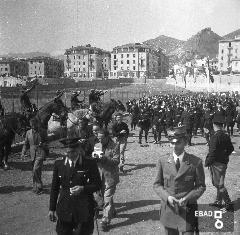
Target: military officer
x,y
75,179
220,148
180,181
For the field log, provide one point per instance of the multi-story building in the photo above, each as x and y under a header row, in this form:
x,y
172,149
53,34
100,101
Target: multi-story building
x,y
138,61
213,64
13,67
45,67
86,63
229,54
106,64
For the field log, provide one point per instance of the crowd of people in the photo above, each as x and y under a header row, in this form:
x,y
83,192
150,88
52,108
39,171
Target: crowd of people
x,y
85,180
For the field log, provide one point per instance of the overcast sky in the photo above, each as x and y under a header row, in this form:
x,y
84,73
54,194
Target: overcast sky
x,y
54,25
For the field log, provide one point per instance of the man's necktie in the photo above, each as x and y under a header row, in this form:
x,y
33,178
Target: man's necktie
x,y
177,164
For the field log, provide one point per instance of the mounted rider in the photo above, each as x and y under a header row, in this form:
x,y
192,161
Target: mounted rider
x,y
75,102
27,108
95,101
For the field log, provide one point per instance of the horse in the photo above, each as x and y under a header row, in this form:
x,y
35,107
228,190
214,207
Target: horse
x,y
55,106
10,125
108,109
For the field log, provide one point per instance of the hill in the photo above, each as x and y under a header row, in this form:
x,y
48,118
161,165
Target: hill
x,y
167,44
204,43
26,55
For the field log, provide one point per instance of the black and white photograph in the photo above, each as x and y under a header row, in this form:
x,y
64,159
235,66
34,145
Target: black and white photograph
x,y
119,117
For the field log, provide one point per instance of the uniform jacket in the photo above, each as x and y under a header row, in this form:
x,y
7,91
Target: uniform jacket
x,y
187,119
108,165
37,142
76,208
188,182
220,147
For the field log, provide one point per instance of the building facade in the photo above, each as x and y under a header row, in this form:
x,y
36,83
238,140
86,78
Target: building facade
x,y
13,67
86,63
138,61
229,55
45,67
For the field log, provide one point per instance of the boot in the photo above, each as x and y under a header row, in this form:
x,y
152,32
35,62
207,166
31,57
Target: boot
x,y
228,203
218,202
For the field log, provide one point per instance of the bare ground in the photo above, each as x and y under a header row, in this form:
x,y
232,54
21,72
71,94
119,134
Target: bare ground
x,y
23,213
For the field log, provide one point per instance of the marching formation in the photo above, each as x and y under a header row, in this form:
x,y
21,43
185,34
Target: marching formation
x,y
85,180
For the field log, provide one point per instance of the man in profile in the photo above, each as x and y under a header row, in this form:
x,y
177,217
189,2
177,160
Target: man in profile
x,y
180,181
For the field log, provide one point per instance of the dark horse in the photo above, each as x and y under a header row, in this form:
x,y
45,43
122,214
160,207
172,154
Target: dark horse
x,y
10,125
44,114
108,109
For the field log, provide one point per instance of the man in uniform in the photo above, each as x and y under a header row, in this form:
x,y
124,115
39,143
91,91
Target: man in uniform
x,y
220,148
75,179
180,181
75,102
26,105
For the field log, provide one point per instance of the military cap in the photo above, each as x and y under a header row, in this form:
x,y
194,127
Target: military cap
x,y
70,142
176,133
218,119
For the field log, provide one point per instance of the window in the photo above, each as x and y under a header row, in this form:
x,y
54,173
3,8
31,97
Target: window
x,y
221,65
115,68
134,67
222,58
236,50
79,63
133,55
79,57
127,68
84,75
229,44
121,68
79,69
236,63
121,61
222,51
115,63
115,56
121,55
133,61
74,57
74,69
84,69
83,62
127,61
6,69
127,55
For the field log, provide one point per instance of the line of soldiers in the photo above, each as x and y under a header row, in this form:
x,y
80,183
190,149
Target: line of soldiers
x,y
195,111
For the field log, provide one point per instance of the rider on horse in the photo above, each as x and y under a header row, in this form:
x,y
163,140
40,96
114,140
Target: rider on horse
x,y
26,106
95,101
75,102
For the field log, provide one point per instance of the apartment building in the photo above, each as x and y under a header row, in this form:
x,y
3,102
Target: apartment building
x,y
137,60
13,67
229,55
45,67
86,63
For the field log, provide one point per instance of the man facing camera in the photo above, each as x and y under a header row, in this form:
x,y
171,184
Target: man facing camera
x,y
180,181
107,155
75,179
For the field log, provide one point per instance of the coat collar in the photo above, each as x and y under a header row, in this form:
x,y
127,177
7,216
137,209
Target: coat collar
x,y
184,165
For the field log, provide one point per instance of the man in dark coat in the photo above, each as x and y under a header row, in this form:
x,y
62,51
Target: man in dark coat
x,y
75,179
217,159
187,120
180,181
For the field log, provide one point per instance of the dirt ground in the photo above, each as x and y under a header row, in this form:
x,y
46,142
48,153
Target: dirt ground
x,y
23,213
